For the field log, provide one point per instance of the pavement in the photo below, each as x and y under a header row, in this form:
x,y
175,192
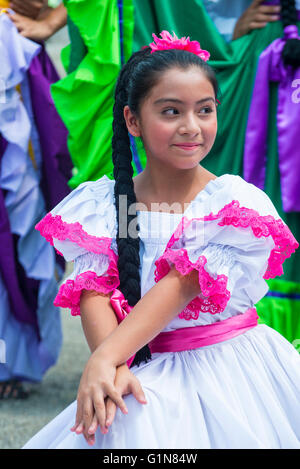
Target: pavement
x,y
21,419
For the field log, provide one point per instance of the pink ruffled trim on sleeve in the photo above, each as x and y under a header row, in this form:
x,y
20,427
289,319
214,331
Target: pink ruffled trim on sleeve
x,y
69,293
214,293
242,217
285,242
54,227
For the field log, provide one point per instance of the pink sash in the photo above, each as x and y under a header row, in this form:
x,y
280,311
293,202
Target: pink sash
x,y
188,338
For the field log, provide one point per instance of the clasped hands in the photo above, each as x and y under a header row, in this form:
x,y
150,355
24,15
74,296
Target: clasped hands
x,y
100,392
106,378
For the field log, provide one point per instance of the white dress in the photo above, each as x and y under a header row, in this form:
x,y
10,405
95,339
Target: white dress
x,y
240,393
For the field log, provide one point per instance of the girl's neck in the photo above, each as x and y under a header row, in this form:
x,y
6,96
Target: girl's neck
x,y
156,186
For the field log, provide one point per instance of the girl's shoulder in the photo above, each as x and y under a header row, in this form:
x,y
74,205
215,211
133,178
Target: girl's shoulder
x,y
84,220
90,199
233,190
100,191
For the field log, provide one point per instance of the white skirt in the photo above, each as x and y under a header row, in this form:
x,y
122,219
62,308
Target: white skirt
x,y
241,393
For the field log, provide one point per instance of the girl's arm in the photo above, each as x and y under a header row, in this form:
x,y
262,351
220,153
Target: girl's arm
x,y
150,315
97,318
98,321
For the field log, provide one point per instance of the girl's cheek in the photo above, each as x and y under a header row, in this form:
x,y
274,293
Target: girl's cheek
x,y
162,131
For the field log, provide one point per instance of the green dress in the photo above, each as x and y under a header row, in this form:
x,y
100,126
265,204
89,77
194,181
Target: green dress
x,y
84,100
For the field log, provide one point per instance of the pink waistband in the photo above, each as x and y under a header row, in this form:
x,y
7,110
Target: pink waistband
x,y
188,338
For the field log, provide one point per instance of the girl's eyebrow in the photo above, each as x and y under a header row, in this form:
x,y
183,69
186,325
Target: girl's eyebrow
x,y
178,101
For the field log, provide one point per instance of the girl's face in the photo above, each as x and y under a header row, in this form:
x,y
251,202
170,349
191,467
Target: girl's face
x,y
177,121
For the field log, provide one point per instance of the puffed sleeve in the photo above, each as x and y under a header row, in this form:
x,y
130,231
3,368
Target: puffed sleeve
x,y
82,229
234,247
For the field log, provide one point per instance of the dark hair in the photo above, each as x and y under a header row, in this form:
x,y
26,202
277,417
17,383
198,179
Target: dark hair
x,y
291,50
138,76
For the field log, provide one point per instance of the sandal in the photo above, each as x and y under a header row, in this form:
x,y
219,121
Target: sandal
x,y
12,389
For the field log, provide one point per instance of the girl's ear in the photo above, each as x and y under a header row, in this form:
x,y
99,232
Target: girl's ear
x,y
131,122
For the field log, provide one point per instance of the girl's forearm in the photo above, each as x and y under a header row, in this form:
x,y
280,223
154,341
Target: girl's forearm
x,y
149,316
97,317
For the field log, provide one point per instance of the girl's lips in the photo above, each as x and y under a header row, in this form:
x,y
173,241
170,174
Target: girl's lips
x,y
187,146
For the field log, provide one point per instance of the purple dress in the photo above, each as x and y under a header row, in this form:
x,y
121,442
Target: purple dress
x,y
34,168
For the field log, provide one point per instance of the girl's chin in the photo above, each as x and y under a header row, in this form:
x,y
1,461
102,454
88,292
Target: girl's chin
x,y
182,162
189,163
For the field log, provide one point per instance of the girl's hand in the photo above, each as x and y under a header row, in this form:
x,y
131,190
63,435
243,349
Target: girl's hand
x,y
126,383
97,383
30,8
32,29
255,17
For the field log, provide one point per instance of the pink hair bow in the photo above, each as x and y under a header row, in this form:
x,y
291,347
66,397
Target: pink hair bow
x,y
121,309
168,41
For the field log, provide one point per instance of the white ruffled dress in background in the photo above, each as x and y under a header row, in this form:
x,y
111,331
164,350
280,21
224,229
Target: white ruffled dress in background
x,y
240,393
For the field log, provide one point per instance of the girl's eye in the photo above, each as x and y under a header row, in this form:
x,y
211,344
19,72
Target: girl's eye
x,y
170,111
207,109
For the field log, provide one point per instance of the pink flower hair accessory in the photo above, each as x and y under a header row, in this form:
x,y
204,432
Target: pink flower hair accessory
x,y
168,42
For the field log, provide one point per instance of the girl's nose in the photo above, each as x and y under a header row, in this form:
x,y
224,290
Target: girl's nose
x,y
190,125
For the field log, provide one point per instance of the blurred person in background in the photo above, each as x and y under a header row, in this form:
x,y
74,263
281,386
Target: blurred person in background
x,y
35,166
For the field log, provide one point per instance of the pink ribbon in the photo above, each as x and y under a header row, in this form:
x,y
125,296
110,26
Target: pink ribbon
x,y
121,309
188,338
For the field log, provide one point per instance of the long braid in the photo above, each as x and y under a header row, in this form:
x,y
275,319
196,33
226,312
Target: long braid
x,y
128,247
137,78
291,50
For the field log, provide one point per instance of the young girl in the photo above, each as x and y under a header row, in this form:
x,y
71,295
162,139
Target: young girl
x,y
188,267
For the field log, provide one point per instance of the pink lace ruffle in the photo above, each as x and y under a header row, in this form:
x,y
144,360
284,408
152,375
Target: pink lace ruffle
x,y
69,293
54,227
214,294
242,217
285,242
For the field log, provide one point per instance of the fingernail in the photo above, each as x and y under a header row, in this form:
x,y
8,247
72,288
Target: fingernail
x,y
107,422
